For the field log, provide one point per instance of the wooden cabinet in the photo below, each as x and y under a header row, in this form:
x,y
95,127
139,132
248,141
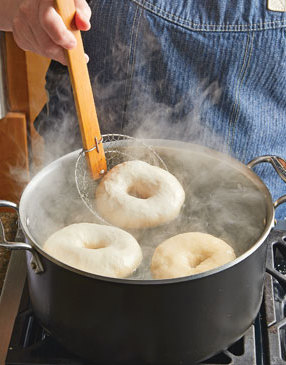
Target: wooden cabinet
x,y
19,142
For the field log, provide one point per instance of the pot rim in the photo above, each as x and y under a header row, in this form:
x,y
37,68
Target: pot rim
x,y
160,143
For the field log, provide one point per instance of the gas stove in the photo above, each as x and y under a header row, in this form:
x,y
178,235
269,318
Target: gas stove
x,y
24,342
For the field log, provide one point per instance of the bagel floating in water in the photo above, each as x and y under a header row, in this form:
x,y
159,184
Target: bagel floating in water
x,y
188,254
97,249
135,194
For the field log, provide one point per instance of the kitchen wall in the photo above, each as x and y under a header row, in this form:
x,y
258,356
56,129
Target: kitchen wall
x,y
19,142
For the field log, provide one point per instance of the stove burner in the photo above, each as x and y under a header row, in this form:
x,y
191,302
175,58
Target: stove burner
x,y
263,344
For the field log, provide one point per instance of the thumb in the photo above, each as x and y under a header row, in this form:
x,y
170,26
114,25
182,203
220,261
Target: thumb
x,y
83,14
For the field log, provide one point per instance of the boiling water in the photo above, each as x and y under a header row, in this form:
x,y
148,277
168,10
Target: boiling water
x,y
220,200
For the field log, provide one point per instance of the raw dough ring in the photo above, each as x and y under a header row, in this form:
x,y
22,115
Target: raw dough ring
x,y
189,253
135,194
97,249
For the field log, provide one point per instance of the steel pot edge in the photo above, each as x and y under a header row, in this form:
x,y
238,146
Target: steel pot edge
x,y
245,169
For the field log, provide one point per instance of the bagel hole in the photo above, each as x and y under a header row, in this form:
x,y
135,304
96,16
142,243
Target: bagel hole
x,y
140,192
196,261
95,245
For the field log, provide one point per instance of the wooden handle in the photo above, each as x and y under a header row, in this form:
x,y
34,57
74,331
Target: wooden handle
x,y
86,112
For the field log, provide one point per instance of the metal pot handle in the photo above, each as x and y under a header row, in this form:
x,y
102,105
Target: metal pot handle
x,y
35,261
279,165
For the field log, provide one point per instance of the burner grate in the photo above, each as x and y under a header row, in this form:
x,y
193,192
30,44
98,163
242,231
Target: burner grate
x,y
275,303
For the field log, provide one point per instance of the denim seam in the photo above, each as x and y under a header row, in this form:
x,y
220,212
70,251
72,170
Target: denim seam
x,y
242,80
209,27
238,85
130,66
134,57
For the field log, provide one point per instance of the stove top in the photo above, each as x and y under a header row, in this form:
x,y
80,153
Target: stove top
x,y
24,342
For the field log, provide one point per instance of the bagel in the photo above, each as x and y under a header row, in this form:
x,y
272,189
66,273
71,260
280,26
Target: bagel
x,y
97,249
188,254
135,194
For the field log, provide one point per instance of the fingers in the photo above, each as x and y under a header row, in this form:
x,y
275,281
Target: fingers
x,y
83,7
53,25
48,48
38,27
83,14
39,43
23,35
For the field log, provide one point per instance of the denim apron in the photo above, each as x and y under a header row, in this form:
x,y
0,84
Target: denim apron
x,y
212,72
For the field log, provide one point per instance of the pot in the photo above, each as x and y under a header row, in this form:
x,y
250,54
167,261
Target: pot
x,y
172,321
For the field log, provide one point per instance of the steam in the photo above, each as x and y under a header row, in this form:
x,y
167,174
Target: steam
x,y
172,122
220,200
126,104
57,122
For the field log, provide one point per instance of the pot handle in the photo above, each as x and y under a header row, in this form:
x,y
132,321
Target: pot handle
x,y
279,165
35,261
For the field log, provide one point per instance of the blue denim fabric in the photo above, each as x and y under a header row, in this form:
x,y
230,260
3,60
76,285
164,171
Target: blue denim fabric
x,y
208,71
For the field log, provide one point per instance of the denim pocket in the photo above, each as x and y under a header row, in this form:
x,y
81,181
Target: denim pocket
x,y
216,15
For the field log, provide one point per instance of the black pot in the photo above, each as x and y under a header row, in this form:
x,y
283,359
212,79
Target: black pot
x,y
174,321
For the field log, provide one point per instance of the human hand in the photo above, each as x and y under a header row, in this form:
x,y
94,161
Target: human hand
x,y
37,27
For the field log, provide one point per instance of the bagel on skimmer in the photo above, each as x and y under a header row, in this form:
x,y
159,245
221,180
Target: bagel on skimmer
x,y
135,194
